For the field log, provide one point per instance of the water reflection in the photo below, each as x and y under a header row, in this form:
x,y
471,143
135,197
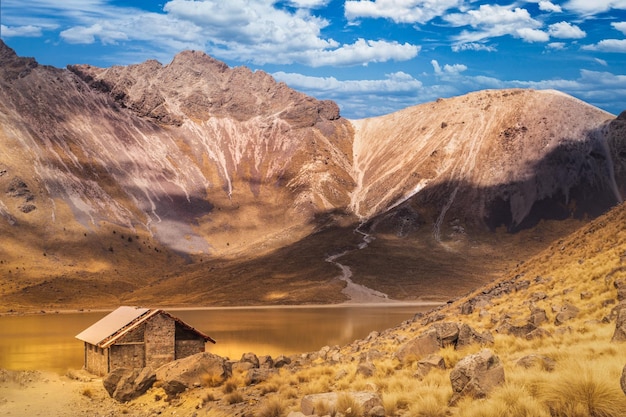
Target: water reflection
x,y
47,341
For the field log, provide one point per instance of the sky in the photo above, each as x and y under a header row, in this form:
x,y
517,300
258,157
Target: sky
x,y
372,57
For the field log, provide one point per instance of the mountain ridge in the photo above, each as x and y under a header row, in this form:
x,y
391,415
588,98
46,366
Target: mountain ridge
x,y
163,174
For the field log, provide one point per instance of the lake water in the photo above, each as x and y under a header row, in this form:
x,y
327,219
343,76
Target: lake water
x,y
46,341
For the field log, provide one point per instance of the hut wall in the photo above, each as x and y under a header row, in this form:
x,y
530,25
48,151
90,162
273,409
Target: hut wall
x,y
96,359
187,342
159,336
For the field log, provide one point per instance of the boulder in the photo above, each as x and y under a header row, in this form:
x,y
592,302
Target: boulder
x,y
328,402
468,336
424,366
125,384
540,361
622,380
620,326
281,361
184,373
538,316
250,358
476,375
567,312
256,375
419,347
366,369
518,331
447,333
620,286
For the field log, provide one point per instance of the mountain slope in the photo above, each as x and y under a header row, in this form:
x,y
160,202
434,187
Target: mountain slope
x,y
126,183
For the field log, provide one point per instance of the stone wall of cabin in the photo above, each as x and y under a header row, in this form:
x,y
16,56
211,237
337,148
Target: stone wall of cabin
x,y
129,351
187,342
96,359
159,339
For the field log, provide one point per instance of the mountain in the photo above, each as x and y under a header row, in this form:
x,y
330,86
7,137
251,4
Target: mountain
x,y
193,182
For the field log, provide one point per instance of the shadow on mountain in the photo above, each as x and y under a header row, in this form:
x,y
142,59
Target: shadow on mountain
x,y
576,180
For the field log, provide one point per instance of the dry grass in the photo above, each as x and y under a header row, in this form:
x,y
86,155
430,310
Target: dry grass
x,y
272,407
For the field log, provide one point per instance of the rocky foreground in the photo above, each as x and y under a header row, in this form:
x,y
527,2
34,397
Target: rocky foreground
x,y
547,341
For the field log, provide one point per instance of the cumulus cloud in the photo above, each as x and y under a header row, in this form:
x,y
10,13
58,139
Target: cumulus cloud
x,y
87,35
592,7
557,46
447,69
28,31
621,26
361,52
608,45
407,11
260,33
565,30
491,21
397,82
548,6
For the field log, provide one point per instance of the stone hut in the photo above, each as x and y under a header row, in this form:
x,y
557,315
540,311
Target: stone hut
x,y
135,337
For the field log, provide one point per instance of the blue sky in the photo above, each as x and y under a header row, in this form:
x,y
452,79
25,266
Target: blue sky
x,y
371,56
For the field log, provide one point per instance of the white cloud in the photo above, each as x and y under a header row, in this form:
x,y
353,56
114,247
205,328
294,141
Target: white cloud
x,y
592,7
621,26
87,35
308,4
447,69
28,31
548,6
473,46
608,45
393,83
565,30
531,35
556,45
491,21
260,33
405,11
601,62
360,52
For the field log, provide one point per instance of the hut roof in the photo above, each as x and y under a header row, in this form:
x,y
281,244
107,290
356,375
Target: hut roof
x,y
119,322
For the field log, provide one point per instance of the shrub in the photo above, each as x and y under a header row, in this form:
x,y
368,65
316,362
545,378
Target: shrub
x,y
579,392
274,407
234,398
348,407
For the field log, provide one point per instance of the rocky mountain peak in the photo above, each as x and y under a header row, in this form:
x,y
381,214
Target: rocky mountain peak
x,y
12,66
196,87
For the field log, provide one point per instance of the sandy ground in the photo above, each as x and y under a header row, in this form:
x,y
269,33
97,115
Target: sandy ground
x,y
78,393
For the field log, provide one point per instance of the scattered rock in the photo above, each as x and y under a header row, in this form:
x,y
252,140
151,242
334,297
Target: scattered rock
x,y
538,316
328,401
125,384
250,358
181,374
429,363
281,361
620,327
567,312
468,336
540,361
419,347
367,369
476,375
